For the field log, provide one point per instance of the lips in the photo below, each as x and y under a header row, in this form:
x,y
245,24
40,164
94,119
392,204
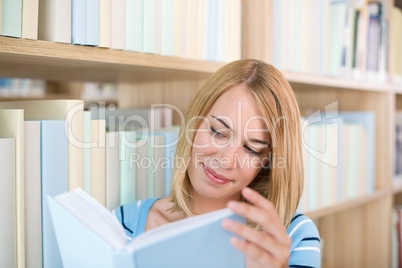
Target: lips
x,y
215,177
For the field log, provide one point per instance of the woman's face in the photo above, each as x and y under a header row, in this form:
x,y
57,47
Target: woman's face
x,y
230,147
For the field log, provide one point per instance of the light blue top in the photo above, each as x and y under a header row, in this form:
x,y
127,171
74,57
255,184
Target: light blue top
x,y
304,251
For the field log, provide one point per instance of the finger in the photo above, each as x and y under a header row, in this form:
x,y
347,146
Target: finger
x,y
270,226
252,251
260,201
261,239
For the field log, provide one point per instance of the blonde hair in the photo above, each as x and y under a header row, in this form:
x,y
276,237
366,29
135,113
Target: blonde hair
x,y
282,185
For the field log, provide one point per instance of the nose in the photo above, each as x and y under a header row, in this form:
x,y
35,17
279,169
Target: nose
x,y
229,156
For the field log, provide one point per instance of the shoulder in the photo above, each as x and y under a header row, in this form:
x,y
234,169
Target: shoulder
x,y
133,215
305,248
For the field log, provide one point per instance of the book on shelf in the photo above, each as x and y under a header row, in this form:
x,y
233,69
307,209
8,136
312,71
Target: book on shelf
x,y
12,126
30,13
134,25
117,24
55,21
127,171
168,28
33,198
70,110
112,170
338,158
11,18
54,168
90,236
85,22
104,23
8,230
98,161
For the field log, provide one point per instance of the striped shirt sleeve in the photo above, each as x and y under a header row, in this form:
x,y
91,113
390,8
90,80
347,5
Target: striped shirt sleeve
x,y
305,249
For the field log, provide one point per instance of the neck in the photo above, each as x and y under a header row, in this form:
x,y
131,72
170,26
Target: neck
x,y
203,205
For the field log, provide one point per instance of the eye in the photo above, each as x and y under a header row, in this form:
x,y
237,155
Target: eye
x,y
249,150
216,133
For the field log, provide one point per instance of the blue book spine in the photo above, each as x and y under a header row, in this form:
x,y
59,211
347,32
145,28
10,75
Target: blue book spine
x,y
134,25
92,22
127,169
11,18
167,27
54,164
78,22
170,150
277,33
212,30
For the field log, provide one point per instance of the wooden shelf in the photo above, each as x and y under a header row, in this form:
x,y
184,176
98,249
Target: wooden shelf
x,y
337,82
348,204
67,62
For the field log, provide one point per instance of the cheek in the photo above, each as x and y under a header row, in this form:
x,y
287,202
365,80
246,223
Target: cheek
x,y
202,144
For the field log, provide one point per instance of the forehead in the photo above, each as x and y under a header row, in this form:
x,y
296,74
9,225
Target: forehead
x,y
238,105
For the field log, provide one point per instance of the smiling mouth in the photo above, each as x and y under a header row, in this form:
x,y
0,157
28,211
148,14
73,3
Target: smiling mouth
x,y
214,177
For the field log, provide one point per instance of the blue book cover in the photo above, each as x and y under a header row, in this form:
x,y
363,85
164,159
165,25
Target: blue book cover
x,y
54,164
78,22
90,236
92,22
11,18
367,120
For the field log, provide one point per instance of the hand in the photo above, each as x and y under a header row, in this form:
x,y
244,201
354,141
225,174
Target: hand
x,y
266,248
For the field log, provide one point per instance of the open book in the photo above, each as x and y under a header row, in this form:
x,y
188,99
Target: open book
x,y
89,235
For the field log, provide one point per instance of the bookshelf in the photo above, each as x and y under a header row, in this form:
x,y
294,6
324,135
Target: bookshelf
x,y
356,233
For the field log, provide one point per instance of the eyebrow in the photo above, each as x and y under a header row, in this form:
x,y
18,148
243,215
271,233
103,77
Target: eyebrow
x,y
252,140
222,122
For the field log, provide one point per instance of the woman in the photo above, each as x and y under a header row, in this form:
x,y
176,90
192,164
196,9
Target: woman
x,y
242,149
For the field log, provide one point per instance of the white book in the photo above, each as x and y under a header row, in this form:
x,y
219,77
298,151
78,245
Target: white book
x,y
104,23
98,160
178,28
112,170
8,232
12,125
191,25
118,22
55,21
30,13
200,29
33,210
233,30
325,37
